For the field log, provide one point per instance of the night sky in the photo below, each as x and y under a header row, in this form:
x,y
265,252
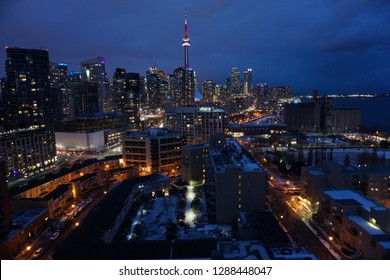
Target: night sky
x,y
336,46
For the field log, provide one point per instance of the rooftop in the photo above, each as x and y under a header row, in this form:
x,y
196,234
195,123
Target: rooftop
x,y
240,250
385,244
24,218
234,156
197,146
260,124
349,194
296,253
154,133
85,177
13,132
367,226
103,216
57,192
52,176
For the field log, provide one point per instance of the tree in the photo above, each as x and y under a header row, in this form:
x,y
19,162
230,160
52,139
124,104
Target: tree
x,y
347,160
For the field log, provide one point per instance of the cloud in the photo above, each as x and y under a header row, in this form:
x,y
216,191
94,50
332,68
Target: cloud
x,y
285,42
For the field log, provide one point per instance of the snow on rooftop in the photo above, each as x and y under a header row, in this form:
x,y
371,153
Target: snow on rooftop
x,y
237,158
385,244
25,217
153,217
348,194
365,225
292,253
317,172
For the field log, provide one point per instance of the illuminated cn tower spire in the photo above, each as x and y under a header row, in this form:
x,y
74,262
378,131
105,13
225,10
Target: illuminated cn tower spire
x,y
186,41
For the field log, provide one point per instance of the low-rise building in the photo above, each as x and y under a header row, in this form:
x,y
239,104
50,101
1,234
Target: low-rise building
x,y
41,187
357,221
371,181
27,223
56,201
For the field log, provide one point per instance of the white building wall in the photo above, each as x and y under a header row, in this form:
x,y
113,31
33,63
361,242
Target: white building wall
x,y
80,140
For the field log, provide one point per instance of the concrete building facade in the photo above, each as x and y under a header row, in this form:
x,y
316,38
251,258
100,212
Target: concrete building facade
x,y
154,150
196,124
234,182
357,221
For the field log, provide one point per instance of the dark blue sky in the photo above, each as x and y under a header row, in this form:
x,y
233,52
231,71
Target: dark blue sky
x,y
332,45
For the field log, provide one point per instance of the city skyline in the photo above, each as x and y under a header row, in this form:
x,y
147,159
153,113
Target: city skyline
x,y
327,45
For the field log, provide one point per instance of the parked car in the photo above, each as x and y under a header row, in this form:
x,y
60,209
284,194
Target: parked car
x,y
38,252
54,235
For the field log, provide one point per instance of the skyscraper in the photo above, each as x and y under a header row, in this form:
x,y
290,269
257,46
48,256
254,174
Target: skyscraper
x,y
27,97
247,81
74,89
58,75
184,86
208,90
155,87
280,92
235,81
132,100
127,96
94,72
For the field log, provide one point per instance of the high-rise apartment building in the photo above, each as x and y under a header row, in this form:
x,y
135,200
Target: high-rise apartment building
x,y
130,105
280,92
74,91
184,86
196,124
261,94
208,91
235,81
57,78
247,85
235,182
94,73
155,88
119,85
27,97
127,88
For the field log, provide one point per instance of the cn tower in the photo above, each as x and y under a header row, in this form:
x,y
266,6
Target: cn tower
x,y
186,41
